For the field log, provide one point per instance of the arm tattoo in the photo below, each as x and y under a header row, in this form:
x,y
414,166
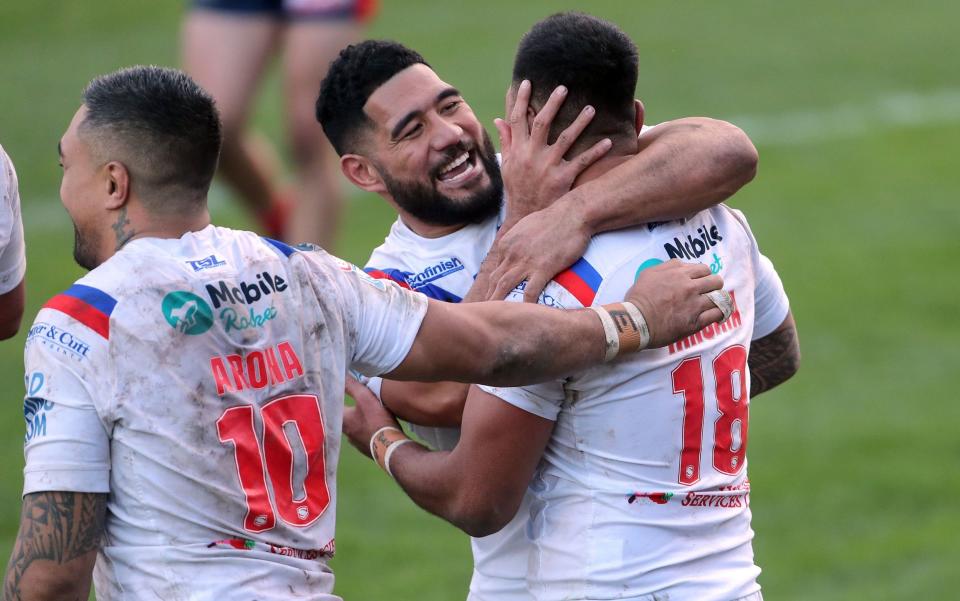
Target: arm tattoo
x,y
57,527
119,230
773,359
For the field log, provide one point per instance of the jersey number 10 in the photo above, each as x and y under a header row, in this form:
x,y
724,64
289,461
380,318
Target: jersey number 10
x,y
275,457
730,429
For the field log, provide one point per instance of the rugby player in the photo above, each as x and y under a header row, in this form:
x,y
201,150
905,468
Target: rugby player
x,y
642,491
184,398
13,258
227,46
402,132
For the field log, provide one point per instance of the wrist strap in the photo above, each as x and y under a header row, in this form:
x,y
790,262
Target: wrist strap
x,y
386,456
625,328
381,441
610,331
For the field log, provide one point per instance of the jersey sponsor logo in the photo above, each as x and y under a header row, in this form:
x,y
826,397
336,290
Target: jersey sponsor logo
x,y
256,369
206,263
232,320
246,544
187,313
245,293
33,383
434,272
59,339
35,415
711,331
716,265
694,247
647,265
733,496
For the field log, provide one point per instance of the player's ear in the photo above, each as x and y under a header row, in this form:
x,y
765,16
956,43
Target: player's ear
x,y
362,173
638,118
117,182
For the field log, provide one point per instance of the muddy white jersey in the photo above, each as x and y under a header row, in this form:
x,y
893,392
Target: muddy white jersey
x,y
441,268
199,381
643,490
13,258
444,269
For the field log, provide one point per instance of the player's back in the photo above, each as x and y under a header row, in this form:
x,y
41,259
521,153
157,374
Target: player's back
x,y
216,365
643,486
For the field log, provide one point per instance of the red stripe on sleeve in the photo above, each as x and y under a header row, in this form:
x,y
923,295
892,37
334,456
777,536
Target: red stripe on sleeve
x,y
86,314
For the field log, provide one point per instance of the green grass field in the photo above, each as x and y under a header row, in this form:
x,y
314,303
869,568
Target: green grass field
x,y
855,107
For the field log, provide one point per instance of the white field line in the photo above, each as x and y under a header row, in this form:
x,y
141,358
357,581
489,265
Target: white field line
x,y
894,110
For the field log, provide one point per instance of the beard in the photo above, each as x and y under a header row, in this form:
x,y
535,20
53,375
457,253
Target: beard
x,y
84,249
423,201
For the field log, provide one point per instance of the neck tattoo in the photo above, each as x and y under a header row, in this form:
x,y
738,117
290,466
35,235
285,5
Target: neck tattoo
x,y
122,234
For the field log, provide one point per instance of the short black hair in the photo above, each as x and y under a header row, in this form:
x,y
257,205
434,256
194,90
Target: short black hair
x,y
593,58
353,76
164,128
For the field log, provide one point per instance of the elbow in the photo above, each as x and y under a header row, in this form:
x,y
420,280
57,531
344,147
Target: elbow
x,y
734,153
482,521
740,156
484,511
9,329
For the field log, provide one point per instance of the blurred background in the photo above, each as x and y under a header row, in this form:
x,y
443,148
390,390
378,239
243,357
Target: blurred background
x,y
855,108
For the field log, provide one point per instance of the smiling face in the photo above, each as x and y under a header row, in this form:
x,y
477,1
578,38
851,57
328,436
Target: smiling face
x,y
435,158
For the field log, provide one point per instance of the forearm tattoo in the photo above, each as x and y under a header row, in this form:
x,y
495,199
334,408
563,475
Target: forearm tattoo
x,y
54,526
773,360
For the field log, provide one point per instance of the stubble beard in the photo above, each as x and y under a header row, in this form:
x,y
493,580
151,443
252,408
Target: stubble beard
x,y
426,203
84,249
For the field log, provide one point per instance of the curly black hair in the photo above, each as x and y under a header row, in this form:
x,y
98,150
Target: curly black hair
x,y
593,58
353,76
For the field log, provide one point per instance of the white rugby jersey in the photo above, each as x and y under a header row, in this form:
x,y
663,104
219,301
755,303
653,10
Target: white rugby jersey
x,y
13,258
444,269
199,381
643,490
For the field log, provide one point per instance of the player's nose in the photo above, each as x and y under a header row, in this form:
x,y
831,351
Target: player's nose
x,y
446,134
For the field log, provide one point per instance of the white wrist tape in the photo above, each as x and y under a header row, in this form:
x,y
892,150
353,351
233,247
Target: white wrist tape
x,y
641,323
376,435
393,447
723,301
610,331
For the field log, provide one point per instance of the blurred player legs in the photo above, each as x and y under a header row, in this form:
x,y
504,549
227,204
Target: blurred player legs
x,y
226,47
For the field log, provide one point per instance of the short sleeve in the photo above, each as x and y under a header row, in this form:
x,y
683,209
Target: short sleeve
x,y
384,318
13,263
66,446
544,400
770,300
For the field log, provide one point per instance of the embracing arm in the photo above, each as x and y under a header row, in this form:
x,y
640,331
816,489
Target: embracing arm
x,y
478,485
684,166
507,344
775,358
56,547
438,404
